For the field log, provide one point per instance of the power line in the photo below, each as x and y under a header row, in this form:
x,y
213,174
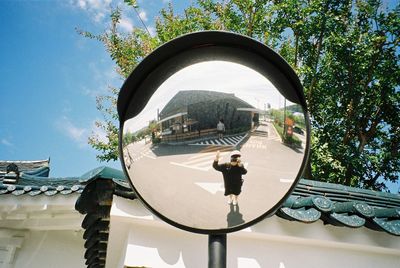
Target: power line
x,y
137,13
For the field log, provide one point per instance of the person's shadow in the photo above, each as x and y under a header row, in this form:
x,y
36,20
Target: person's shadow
x,y
234,217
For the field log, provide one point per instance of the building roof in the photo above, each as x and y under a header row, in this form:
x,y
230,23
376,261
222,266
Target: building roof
x,y
343,206
179,103
36,167
310,202
36,185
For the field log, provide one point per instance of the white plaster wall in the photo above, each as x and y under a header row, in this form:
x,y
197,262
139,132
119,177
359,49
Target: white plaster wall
x,y
51,249
156,247
247,252
137,238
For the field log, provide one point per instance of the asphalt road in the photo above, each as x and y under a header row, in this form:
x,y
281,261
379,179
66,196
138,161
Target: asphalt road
x,y
179,182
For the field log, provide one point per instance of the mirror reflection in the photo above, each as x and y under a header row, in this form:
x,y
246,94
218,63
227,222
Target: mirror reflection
x,y
215,147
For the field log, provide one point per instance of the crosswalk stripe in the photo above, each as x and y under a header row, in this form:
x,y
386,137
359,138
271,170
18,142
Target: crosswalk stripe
x,y
232,140
187,166
215,148
207,158
224,142
149,156
205,164
203,161
203,155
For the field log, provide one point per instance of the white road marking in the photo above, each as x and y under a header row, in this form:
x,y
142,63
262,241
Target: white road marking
x,y
201,155
211,187
192,167
149,156
225,141
286,180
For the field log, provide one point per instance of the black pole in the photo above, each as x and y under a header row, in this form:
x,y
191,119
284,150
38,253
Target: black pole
x,y
217,251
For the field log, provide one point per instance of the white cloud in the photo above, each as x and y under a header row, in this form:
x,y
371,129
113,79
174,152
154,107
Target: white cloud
x,y
96,8
6,142
80,135
152,31
99,133
143,15
99,17
103,75
82,4
125,24
77,134
93,4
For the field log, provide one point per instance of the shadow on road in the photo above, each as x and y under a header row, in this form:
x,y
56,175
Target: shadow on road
x,y
296,149
242,142
234,217
165,149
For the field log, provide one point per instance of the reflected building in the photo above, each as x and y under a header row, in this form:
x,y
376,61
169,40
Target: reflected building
x,y
194,113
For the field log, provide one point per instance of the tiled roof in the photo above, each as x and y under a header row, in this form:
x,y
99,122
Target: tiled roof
x,y
343,206
37,185
311,201
28,167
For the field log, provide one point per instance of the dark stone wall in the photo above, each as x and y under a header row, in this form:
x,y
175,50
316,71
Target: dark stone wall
x,y
209,113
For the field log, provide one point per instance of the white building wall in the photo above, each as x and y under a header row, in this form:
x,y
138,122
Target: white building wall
x,y
51,249
41,232
139,239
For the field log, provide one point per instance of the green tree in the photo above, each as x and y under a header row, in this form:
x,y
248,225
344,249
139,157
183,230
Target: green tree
x,y
129,138
345,52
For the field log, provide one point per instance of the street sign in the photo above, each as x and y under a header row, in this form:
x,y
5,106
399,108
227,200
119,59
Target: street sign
x,y
289,122
213,164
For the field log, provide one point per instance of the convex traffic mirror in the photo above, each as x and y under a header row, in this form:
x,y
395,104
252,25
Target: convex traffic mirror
x,y
214,131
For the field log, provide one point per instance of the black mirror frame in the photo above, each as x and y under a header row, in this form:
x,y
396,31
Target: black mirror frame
x,y
130,92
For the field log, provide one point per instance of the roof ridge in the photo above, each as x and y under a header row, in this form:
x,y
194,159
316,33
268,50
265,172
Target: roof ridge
x,y
24,161
343,193
330,185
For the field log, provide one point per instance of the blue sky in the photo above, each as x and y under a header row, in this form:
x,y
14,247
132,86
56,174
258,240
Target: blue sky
x,y
50,76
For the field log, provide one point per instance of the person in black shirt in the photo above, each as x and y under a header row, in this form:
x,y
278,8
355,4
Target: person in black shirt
x,y
232,173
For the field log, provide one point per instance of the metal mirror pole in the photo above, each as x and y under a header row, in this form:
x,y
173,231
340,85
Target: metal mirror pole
x,y
217,251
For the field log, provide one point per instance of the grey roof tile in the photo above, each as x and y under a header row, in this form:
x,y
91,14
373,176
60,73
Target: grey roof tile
x,y
390,226
344,219
303,215
23,166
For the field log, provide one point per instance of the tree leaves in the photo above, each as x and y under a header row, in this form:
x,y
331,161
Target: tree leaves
x,y
346,54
